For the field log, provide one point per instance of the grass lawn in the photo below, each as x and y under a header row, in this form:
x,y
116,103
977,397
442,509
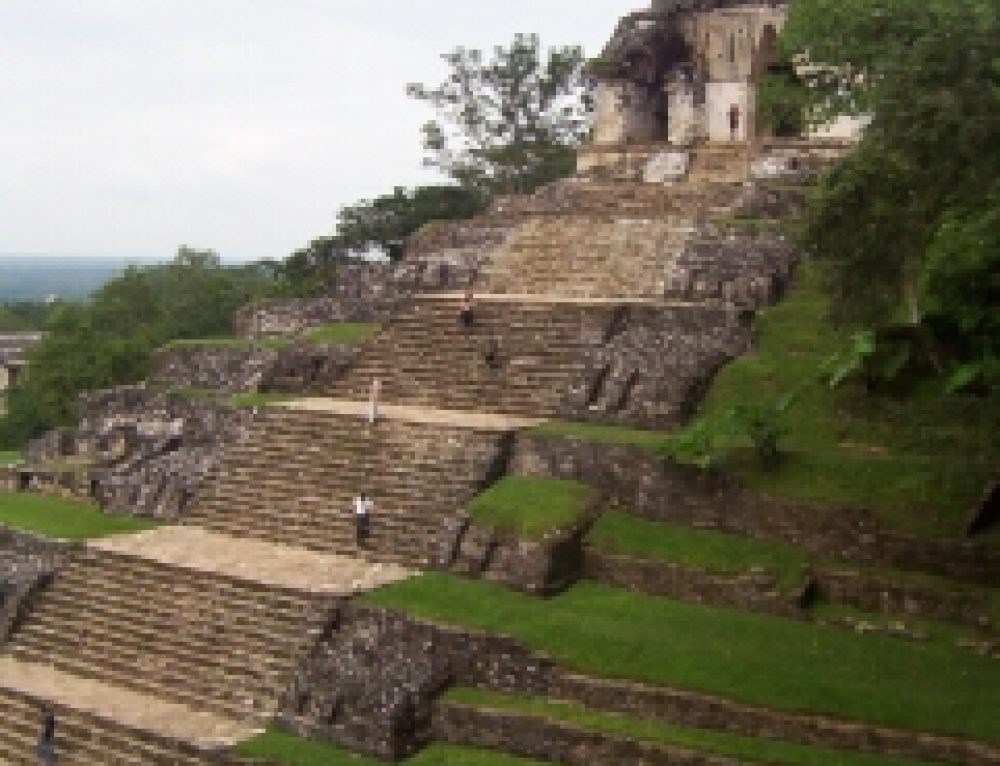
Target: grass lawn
x,y
753,658
920,458
342,332
619,532
296,751
9,456
530,507
240,343
659,733
63,519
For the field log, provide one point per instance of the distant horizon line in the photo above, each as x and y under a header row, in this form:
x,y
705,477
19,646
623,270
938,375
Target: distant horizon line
x,y
115,256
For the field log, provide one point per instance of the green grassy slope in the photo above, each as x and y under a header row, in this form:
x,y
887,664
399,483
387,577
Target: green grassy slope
x,y
63,519
753,658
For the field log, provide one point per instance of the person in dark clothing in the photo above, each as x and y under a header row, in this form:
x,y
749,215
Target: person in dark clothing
x,y
363,506
46,747
734,121
465,317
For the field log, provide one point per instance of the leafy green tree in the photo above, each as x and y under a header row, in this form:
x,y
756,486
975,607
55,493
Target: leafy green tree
x,y
23,315
108,341
510,123
903,223
384,222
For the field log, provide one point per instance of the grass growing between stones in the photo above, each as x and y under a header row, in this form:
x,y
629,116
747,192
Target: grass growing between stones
x,y
622,533
758,659
605,434
530,507
291,750
918,457
63,519
9,456
342,332
660,733
237,343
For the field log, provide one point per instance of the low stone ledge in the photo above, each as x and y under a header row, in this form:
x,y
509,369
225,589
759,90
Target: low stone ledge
x,y
664,490
536,737
878,594
705,711
751,590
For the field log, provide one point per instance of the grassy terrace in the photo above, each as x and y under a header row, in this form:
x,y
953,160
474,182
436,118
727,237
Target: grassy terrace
x,y
291,750
64,519
918,458
618,532
530,507
659,733
9,456
753,658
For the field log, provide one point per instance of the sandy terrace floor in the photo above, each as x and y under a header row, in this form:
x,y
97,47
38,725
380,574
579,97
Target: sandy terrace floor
x,y
255,560
482,420
124,706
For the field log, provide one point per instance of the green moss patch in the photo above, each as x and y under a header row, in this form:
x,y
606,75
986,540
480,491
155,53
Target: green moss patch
x,y
342,332
531,507
753,658
291,750
9,456
660,733
63,519
622,533
256,399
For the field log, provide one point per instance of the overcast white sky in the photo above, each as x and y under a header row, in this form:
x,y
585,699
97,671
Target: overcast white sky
x,y
129,127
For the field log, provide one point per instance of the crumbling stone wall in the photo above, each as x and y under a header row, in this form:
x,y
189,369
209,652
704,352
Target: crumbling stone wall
x,y
298,368
654,368
145,453
370,682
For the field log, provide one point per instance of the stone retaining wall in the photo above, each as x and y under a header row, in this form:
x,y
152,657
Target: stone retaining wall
x,y
664,490
754,591
535,737
705,711
876,594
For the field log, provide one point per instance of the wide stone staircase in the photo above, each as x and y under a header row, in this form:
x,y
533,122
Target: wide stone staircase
x,y
425,358
583,258
85,739
205,640
293,482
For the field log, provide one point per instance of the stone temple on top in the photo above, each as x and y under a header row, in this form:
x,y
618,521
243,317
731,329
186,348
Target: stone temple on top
x,y
684,71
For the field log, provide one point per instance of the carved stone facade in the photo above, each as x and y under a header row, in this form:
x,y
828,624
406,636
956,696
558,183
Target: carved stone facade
x,y
684,70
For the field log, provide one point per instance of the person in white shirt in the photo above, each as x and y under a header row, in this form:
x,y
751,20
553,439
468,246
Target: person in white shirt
x,y
373,397
363,507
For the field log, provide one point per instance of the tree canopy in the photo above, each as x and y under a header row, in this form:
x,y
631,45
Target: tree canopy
x,y
108,341
908,222
508,123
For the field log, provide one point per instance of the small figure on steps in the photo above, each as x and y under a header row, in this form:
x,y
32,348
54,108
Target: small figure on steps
x,y
491,353
734,121
46,747
465,317
363,506
373,397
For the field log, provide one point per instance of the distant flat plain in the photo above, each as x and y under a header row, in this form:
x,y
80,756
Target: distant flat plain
x,y
68,277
